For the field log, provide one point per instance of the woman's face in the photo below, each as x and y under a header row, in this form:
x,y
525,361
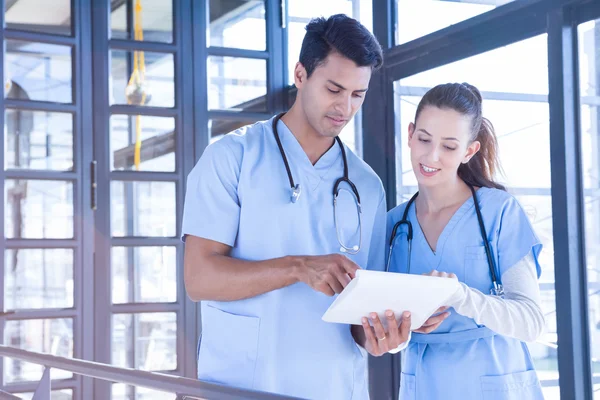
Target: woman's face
x,y
439,141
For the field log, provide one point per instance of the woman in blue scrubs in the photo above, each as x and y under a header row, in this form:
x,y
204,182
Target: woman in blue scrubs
x,y
479,350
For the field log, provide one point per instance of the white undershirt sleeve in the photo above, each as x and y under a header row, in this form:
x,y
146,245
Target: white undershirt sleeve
x,y
518,314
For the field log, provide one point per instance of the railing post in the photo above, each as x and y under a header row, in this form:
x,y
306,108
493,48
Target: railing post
x,y
42,392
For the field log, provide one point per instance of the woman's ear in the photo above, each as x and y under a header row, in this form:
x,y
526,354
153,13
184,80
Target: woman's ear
x,y
472,149
411,132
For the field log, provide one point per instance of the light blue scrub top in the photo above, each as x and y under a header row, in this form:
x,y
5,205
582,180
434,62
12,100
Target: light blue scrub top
x,y
461,359
239,194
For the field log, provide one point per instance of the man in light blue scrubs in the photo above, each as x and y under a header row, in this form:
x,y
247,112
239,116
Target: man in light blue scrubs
x,y
267,246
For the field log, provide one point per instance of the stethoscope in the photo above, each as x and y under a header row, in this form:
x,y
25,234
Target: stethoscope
x,y
296,190
497,288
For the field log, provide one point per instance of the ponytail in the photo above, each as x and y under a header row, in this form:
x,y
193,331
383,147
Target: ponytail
x,y
467,100
483,166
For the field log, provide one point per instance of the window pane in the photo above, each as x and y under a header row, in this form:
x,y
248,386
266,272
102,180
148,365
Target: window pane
x,y
589,75
417,18
49,17
145,341
496,70
38,278
143,208
157,143
121,391
52,336
230,22
130,85
38,140
37,209
144,274
544,351
515,101
38,71
65,394
238,84
155,18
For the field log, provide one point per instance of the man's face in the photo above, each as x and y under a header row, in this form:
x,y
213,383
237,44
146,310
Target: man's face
x,y
333,93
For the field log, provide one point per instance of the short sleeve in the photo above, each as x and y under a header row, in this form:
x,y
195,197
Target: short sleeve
x,y
377,246
516,237
212,210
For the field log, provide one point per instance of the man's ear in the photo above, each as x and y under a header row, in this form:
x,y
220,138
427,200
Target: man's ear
x,y
300,74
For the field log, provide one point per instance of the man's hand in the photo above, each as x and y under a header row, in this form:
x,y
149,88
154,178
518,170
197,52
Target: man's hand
x,y
328,274
378,341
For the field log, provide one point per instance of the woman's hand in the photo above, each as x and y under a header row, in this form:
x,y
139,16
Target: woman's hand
x,y
378,341
440,315
434,321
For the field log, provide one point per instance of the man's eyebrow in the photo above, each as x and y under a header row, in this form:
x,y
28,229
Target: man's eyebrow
x,y
343,88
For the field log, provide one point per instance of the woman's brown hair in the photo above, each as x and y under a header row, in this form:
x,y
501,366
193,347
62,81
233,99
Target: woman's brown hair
x,y
466,100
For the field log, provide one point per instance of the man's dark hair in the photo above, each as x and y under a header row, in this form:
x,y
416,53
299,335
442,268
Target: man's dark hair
x,y
341,34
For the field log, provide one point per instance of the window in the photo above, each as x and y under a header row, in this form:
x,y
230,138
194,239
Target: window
x,y
589,68
418,18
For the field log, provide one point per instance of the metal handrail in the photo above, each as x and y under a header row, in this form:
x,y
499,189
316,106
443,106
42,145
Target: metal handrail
x,y
151,380
8,396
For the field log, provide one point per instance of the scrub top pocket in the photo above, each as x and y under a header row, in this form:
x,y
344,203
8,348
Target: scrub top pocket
x,y
228,348
477,270
517,386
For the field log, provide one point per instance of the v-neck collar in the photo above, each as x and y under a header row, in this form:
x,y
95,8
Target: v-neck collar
x,y
436,256
293,150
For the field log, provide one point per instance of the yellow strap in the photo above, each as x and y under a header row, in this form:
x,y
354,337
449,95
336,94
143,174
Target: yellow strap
x,y
139,75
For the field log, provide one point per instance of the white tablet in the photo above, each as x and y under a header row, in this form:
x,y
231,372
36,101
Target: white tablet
x,y
375,291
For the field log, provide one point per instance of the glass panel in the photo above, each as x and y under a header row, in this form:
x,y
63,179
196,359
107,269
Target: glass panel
x,y
143,208
508,76
154,16
589,87
144,274
155,87
156,143
38,278
49,17
64,394
37,209
417,18
39,140
515,103
125,392
52,336
302,11
145,341
38,71
238,84
230,22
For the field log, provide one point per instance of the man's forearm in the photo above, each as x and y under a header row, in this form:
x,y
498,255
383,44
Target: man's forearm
x,y
223,278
